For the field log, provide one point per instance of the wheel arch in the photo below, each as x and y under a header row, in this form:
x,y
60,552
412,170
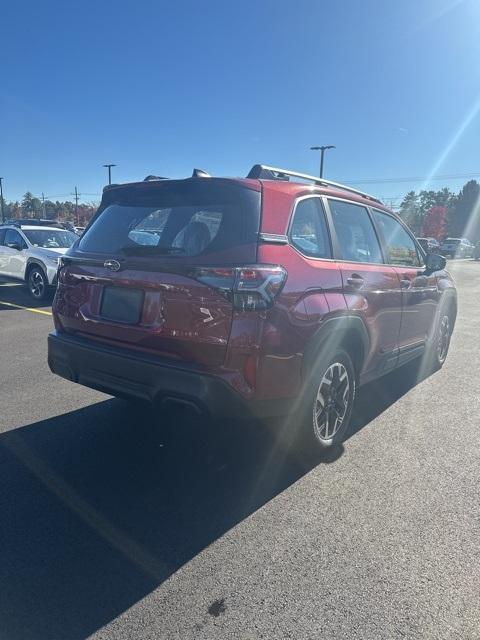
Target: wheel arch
x,y
449,302
35,262
343,332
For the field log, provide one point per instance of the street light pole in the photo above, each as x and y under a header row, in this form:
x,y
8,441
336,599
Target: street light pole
x,y
322,150
1,200
109,167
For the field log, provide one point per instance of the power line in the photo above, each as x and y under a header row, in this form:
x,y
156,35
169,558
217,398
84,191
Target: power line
x,y
455,176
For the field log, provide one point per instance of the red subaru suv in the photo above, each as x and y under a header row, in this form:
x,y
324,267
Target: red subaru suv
x,y
275,293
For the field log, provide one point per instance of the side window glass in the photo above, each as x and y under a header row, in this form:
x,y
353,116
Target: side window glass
x,y
12,236
2,237
401,247
355,233
308,232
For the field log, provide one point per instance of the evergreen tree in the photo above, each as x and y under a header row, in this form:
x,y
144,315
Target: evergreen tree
x,y
28,207
464,218
409,209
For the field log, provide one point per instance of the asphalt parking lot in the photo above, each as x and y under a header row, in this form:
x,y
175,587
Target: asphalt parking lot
x,y
117,523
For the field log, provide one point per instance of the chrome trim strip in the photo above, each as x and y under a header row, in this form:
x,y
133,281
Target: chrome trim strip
x,y
275,238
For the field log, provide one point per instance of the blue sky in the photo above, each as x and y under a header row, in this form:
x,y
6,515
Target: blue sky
x,y
160,87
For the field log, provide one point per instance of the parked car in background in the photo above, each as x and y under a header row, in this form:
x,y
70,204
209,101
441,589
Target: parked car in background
x,y
253,295
79,230
30,252
457,248
429,245
469,248
41,222
476,251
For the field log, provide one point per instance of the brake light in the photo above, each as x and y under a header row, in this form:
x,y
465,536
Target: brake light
x,y
249,288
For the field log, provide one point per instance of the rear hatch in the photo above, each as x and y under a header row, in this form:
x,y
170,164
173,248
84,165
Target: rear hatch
x,y
153,271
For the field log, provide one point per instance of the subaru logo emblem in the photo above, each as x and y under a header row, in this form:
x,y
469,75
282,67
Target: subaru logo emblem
x,y
113,265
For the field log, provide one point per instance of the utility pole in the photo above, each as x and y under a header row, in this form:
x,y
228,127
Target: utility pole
x,y
322,150
109,167
43,206
1,200
77,195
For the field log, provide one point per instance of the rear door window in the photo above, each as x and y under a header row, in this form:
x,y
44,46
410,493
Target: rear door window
x,y
356,235
176,219
13,237
308,230
2,236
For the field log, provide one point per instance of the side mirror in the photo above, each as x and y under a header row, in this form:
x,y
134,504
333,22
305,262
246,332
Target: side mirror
x,y
434,262
14,245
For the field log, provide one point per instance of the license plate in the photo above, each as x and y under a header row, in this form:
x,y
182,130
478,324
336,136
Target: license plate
x,y
121,304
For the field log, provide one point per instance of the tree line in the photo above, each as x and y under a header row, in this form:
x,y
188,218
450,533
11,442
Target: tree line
x,y
443,213
435,214
32,207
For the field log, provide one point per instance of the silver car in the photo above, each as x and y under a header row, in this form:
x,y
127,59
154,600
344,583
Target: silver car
x,y
31,252
457,248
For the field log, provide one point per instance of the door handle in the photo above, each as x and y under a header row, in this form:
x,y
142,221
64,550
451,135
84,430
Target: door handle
x,y
355,280
405,283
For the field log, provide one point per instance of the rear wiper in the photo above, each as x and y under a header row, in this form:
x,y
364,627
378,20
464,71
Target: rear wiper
x,y
150,250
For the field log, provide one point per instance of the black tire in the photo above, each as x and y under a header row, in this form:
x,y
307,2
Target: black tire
x,y
325,425
37,283
440,343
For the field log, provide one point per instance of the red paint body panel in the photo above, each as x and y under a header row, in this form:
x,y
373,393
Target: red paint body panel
x,y
379,302
420,300
181,318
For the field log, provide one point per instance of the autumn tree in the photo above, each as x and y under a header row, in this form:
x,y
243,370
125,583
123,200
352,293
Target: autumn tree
x,y
435,223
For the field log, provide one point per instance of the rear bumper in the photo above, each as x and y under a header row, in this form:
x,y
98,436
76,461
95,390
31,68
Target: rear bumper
x,y
126,374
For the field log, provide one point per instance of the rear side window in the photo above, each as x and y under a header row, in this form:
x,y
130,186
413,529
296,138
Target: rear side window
x,y
355,233
2,236
13,237
308,231
176,218
400,245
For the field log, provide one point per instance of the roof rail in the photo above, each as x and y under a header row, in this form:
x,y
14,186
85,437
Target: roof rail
x,y
200,173
32,222
153,178
9,223
265,172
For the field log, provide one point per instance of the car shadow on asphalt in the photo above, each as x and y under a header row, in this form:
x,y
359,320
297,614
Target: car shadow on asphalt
x,y
376,397
102,504
16,293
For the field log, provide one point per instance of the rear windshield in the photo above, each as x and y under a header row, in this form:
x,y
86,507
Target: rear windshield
x,y
187,218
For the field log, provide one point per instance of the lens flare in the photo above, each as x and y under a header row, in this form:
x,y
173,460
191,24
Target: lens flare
x,y
467,121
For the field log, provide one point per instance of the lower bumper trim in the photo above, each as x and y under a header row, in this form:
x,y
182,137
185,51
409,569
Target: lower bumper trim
x,y
121,373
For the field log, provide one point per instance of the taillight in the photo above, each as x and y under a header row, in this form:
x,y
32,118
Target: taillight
x,y
249,288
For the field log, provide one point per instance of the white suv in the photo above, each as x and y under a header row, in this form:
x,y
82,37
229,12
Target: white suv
x,y
31,252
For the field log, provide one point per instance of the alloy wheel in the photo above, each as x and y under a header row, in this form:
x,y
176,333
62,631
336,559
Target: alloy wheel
x,y
443,338
331,402
37,284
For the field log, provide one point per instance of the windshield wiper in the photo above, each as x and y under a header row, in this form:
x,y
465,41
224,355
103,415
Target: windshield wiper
x,y
151,250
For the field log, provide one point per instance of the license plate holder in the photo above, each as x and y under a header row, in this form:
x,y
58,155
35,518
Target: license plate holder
x,y
121,304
